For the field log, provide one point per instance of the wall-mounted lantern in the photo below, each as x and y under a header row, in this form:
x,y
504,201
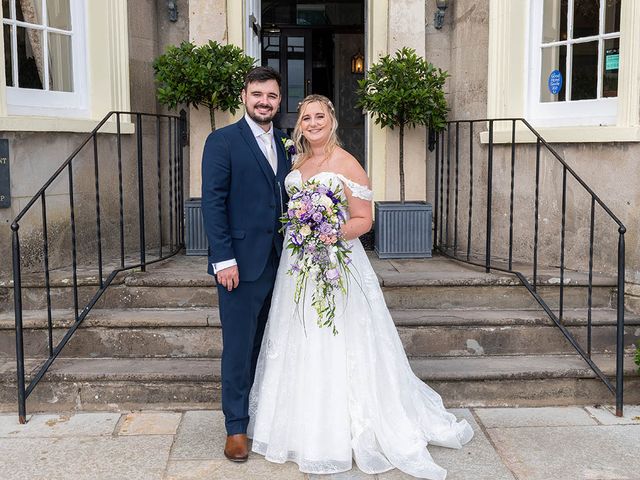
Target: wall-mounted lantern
x,y
438,18
357,63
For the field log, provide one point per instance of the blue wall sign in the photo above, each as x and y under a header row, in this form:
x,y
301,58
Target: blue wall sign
x,y
555,82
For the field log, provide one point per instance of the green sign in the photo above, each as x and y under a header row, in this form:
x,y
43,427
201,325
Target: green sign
x,y
612,60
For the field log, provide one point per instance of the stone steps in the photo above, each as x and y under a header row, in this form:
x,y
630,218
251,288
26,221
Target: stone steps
x,y
154,339
181,282
117,384
196,333
397,296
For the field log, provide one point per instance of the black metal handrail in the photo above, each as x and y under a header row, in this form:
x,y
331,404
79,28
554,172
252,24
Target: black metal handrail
x,y
448,168
169,176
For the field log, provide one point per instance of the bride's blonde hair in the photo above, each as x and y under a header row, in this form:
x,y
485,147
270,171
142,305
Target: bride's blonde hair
x,y
303,149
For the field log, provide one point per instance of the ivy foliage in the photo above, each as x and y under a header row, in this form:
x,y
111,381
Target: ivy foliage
x,y
210,75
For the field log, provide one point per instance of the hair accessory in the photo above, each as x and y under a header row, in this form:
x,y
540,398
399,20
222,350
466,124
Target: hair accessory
x,y
328,102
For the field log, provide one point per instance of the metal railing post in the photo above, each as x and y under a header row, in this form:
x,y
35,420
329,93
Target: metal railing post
x,y
489,198
620,325
436,196
17,301
143,255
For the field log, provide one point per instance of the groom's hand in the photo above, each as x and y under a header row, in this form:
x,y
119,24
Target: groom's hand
x,y
229,277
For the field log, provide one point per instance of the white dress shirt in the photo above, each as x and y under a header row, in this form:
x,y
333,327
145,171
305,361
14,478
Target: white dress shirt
x,y
257,131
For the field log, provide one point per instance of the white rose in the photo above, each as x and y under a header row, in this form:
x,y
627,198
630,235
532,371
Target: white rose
x,y
326,201
305,230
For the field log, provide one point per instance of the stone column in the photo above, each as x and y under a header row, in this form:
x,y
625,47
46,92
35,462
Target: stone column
x,y
207,21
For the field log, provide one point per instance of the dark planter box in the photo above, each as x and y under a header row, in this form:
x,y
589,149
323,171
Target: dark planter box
x,y
196,242
403,230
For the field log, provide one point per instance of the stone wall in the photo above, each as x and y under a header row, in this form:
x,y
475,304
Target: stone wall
x,y
35,156
610,169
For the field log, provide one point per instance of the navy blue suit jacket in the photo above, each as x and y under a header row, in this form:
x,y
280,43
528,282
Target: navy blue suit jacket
x,y
242,199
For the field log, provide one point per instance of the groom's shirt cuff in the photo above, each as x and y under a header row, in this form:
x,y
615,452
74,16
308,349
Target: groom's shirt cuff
x,y
222,265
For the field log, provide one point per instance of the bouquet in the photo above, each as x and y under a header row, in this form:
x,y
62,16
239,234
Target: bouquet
x,y
321,254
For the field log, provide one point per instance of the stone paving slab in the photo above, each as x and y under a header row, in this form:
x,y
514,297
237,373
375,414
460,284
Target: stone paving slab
x,y
353,474
63,425
201,436
570,453
534,417
477,460
606,415
85,458
509,444
226,470
150,423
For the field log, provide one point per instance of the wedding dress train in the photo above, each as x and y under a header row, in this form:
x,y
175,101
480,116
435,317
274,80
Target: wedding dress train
x,y
321,400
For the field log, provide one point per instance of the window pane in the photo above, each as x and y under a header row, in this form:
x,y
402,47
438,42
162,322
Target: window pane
x,y
30,58
295,72
312,12
6,13
584,78
553,74
60,63
29,11
59,14
274,63
612,16
610,68
586,18
554,21
8,64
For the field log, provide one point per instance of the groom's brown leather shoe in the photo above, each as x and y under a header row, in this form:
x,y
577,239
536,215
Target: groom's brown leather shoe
x,y
237,448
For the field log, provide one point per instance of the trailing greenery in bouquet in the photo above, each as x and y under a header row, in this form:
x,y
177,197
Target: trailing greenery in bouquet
x,y
320,252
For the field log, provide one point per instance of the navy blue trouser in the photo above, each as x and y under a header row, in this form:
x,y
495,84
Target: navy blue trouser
x,y
243,313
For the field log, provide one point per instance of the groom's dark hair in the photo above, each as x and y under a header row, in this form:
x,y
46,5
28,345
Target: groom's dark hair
x,y
261,74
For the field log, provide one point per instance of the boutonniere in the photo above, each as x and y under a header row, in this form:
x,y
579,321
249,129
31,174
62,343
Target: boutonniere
x,y
289,147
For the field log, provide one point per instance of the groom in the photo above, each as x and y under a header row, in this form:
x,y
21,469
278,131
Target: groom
x,y
243,196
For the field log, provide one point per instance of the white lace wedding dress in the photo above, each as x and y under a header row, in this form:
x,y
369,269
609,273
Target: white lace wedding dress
x,y
320,400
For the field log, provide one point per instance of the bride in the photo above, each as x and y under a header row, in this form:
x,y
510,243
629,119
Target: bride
x,y
321,400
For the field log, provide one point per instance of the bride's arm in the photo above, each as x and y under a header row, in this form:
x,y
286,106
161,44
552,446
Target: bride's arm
x,y
360,215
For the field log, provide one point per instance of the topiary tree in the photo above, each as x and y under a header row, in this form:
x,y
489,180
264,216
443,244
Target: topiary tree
x,y
404,90
210,75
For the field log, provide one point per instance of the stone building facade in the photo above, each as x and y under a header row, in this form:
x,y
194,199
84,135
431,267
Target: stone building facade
x,y
491,48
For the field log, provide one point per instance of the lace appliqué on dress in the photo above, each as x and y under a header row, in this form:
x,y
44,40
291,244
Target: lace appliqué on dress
x,y
358,191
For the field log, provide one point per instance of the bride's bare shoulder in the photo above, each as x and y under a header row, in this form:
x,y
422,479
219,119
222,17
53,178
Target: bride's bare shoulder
x,y
348,165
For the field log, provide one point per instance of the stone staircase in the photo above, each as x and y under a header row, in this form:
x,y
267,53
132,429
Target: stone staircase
x,y
154,340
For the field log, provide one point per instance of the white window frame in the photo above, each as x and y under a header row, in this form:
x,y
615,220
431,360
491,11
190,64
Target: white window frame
x,y
599,111
252,39
48,103
107,66
508,76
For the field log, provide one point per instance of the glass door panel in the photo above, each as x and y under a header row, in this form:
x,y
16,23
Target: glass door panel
x,y
288,50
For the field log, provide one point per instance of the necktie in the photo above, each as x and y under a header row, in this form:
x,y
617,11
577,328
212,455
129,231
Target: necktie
x,y
271,156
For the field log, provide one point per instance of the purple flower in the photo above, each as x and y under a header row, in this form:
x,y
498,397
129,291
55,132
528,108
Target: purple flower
x,y
317,217
296,239
332,275
325,228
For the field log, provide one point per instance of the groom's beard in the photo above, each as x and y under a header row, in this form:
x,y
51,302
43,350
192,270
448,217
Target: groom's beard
x,y
262,119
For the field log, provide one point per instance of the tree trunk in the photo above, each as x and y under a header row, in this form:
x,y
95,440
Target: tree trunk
x,y
212,117
401,162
